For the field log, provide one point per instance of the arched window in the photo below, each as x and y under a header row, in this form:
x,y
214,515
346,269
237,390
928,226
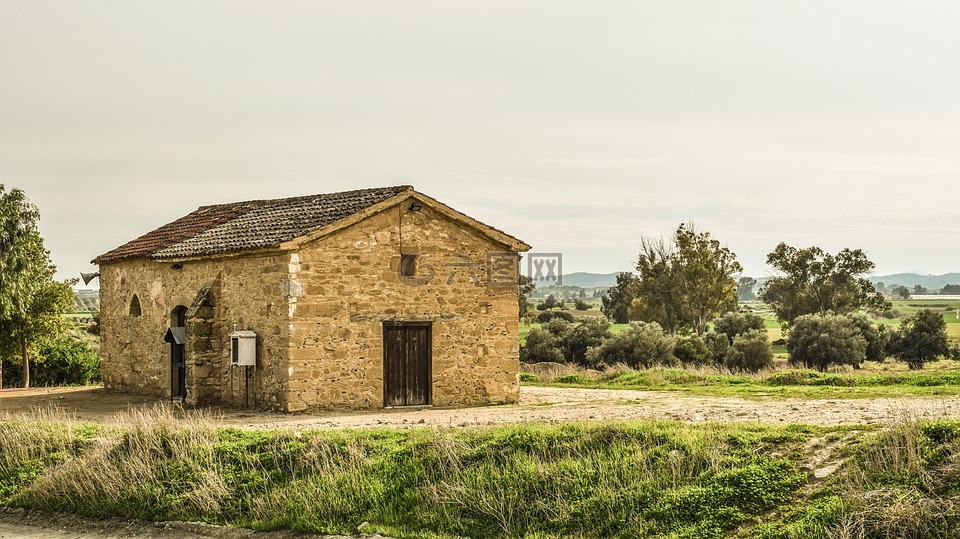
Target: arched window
x,y
135,309
178,317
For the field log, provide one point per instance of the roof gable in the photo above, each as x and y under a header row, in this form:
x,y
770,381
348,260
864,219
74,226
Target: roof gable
x,y
285,222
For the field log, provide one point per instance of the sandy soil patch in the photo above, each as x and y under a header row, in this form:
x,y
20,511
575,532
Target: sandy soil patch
x,y
538,405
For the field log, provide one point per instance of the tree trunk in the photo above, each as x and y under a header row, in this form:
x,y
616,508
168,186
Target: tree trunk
x,y
26,363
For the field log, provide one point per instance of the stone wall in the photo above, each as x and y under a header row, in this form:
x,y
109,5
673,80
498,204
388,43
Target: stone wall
x,y
220,294
319,314
351,285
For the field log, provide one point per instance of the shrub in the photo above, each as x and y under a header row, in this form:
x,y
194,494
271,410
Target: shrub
x,y
877,337
564,316
64,361
750,352
692,350
544,317
541,346
581,305
718,344
921,338
732,324
643,344
819,341
577,339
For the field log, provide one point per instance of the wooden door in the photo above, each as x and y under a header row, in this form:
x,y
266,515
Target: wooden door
x,y
407,360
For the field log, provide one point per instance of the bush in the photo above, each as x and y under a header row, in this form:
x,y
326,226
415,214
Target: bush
x,y
544,317
577,339
718,344
541,346
564,316
819,341
750,352
643,345
877,337
921,338
581,305
64,361
733,324
692,350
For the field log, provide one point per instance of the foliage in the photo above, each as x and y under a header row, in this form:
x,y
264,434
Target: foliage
x,y
618,298
921,338
685,283
901,291
581,305
692,350
541,346
31,302
733,323
820,340
877,337
745,289
580,337
526,287
549,303
547,316
66,361
643,344
951,289
750,352
811,281
718,344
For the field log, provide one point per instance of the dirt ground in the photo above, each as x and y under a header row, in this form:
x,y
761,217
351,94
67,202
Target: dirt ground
x,y
20,524
537,405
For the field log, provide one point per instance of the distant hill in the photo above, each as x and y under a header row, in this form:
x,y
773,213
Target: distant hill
x,y
588,280
87,299
933,282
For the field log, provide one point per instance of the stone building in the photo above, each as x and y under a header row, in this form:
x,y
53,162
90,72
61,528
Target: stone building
x,y
360,299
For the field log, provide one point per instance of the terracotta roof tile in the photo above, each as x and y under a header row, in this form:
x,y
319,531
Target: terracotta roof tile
x,y
248,225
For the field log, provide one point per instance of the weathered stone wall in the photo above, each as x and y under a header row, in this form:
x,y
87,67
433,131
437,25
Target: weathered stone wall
x,y
242,293
351,285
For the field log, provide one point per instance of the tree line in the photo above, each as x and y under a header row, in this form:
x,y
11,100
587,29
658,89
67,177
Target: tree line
x,y
690,281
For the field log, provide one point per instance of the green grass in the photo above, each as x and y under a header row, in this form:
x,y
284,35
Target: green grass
x,y
629,479
637,479
874,380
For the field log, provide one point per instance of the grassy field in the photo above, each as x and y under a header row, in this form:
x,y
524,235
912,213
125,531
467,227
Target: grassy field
x,y
873,380
632,479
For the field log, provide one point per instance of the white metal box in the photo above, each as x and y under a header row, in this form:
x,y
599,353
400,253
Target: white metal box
x,y
243,348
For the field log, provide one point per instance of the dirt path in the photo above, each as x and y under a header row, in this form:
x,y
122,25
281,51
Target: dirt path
x,y
538,405
20,524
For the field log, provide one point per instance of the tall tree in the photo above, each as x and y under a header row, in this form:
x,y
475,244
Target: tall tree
x,y
616,301
686,282
811,281
31,302
745,289
921,338
525,289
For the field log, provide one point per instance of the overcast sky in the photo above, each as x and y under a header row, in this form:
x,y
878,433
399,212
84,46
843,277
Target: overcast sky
x,y
576,126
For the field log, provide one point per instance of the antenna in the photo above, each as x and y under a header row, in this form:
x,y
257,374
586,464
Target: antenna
x,y
87,277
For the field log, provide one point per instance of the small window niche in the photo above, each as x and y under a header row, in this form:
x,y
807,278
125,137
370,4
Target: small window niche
x,y
135,309
408,265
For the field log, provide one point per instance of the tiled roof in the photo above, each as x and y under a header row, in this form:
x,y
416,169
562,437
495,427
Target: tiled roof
x,y
253,224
